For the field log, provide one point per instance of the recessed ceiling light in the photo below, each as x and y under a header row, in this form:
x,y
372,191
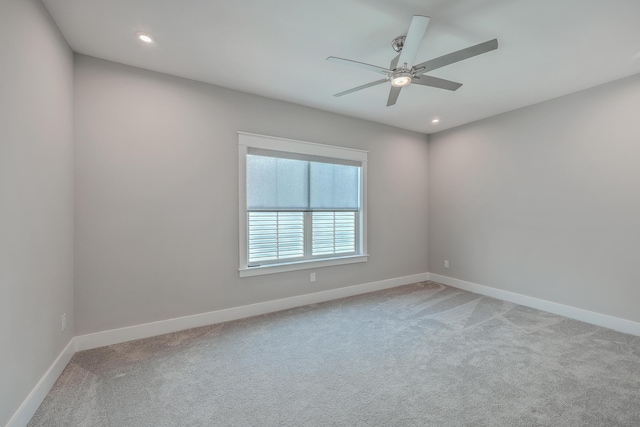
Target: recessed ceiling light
x,y
147,38
435,121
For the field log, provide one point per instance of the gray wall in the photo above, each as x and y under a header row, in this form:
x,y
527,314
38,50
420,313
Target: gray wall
x,y
544,201
157,196
36,205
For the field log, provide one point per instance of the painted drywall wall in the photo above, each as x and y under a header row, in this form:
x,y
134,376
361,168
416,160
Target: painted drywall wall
x,y
36,198
544,201
157,196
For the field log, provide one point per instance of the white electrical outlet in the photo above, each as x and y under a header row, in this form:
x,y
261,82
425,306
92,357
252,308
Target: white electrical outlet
x,y
64,322
312,277
446,263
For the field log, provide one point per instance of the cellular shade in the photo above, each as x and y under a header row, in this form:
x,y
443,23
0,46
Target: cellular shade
x,y
281,181
277,184
333,186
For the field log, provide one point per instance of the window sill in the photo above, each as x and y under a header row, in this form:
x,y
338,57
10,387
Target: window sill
x,y
300,265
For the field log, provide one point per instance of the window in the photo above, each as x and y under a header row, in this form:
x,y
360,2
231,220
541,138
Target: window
x,y
302,205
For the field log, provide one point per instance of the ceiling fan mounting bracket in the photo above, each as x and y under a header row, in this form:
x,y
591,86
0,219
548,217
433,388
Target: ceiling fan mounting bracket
x,y
398,43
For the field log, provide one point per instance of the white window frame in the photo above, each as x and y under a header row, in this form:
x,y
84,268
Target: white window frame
x,y
246,140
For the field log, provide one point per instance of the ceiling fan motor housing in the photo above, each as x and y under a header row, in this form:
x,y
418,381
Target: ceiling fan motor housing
x,y
398,43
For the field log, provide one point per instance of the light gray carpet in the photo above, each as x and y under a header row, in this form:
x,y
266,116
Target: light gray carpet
x,y
419,355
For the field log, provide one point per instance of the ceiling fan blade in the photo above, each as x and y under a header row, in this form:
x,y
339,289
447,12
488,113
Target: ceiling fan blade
x,y
412,42
436,82
393,95
355,89
456,56
394,62
360,65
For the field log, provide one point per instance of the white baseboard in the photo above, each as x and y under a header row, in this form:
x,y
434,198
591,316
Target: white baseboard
x,y
85,342
611,322
146,330
34,399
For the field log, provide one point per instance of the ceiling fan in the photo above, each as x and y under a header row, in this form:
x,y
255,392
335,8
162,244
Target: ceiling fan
x,y
408,73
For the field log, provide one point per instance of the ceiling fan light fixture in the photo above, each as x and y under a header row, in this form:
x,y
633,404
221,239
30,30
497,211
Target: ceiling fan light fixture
x,y
400,79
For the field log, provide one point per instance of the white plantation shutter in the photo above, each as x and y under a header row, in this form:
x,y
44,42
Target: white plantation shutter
x,y
333,233
275,236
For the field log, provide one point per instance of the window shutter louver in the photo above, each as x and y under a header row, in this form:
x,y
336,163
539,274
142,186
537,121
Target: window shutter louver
x,y
333,233
275,236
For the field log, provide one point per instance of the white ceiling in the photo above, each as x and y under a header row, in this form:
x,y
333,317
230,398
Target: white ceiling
x,y
277,49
